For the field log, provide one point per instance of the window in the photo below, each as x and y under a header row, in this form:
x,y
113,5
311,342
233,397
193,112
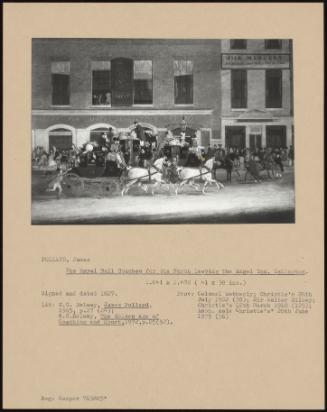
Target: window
x,y
239,89
183,81
142,74
60,75
273,44
238,44
101,83
273,88
122,83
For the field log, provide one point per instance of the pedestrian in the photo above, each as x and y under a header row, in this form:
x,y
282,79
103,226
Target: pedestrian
x,y
252,168
278,159
43,161
229,164
57,183
291,156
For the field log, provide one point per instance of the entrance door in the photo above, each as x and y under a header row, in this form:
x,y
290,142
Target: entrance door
x,y
235,136
276,136
255,141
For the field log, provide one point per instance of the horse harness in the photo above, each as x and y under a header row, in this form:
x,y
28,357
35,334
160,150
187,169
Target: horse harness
x,y
199,175
157,170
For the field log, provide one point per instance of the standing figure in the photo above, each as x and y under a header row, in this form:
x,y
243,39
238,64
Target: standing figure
x,y
57,183
229,164
253,169
116,154
51,161
172,171
139,131
110,135
278,159
146,155
183,125
43,161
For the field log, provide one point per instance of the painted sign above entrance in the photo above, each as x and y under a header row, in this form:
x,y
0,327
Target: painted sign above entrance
x,y
255,61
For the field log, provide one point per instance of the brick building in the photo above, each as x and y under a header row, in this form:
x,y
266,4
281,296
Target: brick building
x,y
256,93
81,87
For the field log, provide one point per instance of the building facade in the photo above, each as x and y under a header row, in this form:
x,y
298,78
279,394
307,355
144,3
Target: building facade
x,y
256,93
229,92
82,87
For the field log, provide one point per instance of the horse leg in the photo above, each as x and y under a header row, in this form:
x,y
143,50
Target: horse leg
x,y
153,186
194,185
219,185
125,189
128,186
181,184
143,187
238,174
59,190
204,186
209,181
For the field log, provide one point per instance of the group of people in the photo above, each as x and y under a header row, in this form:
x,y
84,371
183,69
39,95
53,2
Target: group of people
x,y
176,150
237,156
109,148
233,158
59,158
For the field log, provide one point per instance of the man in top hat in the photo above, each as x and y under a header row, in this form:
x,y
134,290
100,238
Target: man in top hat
x,y
172,170
116,154
139,131
104,141
146,155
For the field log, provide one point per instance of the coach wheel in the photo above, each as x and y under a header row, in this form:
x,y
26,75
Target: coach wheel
x,y
110,188
73,185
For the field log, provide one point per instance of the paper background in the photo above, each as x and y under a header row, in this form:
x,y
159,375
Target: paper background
x,y
252,363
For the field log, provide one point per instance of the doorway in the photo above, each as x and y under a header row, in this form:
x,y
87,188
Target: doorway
x,y
235,136
276,136
255,141
62,139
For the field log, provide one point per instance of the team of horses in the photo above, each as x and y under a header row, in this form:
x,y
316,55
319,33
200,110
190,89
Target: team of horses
x,y
138,176
141,177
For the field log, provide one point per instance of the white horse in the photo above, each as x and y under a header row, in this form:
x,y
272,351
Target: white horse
x,y
188,176
138,175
